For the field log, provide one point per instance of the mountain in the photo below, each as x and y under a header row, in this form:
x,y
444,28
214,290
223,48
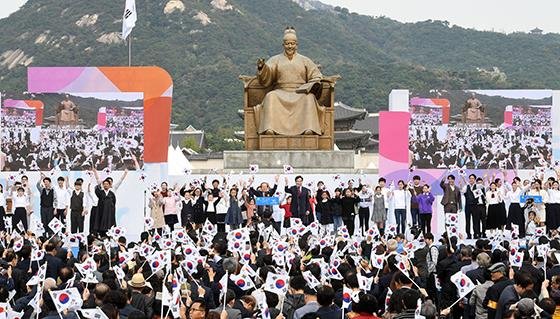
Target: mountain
x,y
206,44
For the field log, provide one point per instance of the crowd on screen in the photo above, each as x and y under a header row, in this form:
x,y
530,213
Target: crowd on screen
x,y
217,249
12,117
425,116
480,148
72,149
523,117
125,118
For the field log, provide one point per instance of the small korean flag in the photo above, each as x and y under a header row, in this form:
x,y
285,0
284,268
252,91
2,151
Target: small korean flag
x,y
253,169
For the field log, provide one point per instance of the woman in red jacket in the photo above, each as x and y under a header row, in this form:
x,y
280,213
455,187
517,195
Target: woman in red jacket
x,y
287,211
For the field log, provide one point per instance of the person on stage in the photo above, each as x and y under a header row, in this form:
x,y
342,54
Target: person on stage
x,y
516,215
156,210
552,207
300,207
264,190
451,199
92,198
170,207
61,200
496,211
20,204
46,201
2,209
470,203
78,208
106,208
107,199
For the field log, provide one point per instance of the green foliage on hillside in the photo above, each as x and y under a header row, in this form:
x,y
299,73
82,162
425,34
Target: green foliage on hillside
x,y
373,55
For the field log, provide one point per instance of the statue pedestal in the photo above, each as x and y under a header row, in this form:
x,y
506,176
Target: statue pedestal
x,y
300,142
303,161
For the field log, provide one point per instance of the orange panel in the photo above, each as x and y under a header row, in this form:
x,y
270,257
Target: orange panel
x,y
153,82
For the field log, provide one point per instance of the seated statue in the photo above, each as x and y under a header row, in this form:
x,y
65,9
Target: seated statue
x,y
473,110
291,107
67,113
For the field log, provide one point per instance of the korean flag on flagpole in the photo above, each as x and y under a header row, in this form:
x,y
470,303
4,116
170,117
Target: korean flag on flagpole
x,y
463,283
242,281
129,18
277,284
67,299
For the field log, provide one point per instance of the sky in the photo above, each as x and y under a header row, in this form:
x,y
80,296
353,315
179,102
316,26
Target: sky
x,y
517,94
111,96
9,6
490,15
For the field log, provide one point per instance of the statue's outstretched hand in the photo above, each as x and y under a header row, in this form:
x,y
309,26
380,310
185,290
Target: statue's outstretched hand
x,y
260,63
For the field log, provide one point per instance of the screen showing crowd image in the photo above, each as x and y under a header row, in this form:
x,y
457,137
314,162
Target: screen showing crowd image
x,y
507,129
76,132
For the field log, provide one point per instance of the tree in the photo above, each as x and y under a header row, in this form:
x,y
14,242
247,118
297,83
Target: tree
x,y
190,142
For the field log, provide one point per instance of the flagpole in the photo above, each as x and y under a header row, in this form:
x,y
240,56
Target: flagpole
x,y
130,55
225,291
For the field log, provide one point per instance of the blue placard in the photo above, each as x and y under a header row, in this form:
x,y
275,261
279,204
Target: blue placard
x,y
267,201
75,251
537,199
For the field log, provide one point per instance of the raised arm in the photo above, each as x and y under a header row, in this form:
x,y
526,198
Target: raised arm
x,y
442,183
272,191
40,182
286,187
96,175
118,184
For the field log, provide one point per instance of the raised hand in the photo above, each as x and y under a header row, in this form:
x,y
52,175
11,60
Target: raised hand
x,y
260,63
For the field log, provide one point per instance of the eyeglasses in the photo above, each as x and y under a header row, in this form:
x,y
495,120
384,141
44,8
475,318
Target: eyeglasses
x,y
195,309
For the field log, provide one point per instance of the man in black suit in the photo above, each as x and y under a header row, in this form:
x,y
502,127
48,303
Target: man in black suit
x,y
300,200
451,200
53,262
470,203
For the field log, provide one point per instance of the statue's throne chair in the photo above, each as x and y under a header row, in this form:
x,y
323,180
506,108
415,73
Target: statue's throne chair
x,y
253,94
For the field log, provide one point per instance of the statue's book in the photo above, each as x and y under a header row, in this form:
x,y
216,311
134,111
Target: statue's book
x,y
311,87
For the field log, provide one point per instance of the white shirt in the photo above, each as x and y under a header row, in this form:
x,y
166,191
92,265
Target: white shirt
x,y
385,193
495,199
399,199
513,196
531,228
554,196
92,198
20,201
61,198
2,200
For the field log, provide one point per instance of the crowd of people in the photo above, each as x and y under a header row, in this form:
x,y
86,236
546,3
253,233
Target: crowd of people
x,y
480,148
72,149
129,118
425,116
14,117
217,250
531,117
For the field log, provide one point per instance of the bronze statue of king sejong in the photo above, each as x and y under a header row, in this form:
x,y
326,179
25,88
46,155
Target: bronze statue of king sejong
x,y
291,108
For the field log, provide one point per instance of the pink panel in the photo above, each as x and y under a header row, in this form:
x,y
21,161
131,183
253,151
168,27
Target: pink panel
x,y
102,119
393,135
508,117
54,79
91,80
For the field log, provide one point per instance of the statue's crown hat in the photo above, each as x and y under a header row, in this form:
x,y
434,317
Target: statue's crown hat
x,y
290,33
